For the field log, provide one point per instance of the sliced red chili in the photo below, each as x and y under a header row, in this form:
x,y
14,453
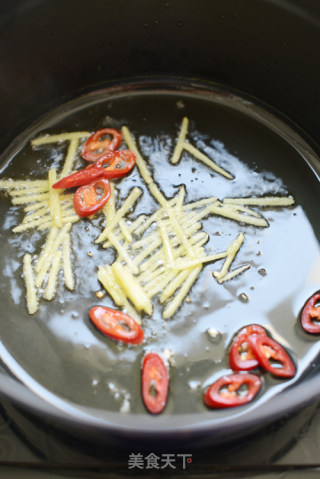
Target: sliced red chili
x,y
116,324
100,143
241,356
155,383
89,199
272,356
310,317
79,178
232,390
119,163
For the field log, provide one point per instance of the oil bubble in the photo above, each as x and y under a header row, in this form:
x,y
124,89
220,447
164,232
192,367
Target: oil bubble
x,y
262,271
244,298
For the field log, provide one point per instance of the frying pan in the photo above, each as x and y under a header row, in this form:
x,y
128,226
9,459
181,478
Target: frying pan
x,y
53,52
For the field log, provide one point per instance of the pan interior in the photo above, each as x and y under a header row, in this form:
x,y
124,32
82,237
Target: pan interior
x,y
61,356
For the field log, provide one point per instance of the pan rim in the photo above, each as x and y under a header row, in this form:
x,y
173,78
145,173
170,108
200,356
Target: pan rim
x,y
220,430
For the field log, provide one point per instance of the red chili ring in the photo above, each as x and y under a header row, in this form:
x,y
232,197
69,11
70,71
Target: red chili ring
x,y
155,383
89,199
227,391
310,316
96,146
272,356
119,163
241,356
116,324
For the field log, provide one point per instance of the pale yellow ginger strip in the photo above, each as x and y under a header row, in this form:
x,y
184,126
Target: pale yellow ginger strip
x,y
152,219
147,221
44,211
172,287
132,289
44,140
69,216
197,216
264,201
149,276
127,204
231,251
53,276
180,198
181,294
124,230
150,248
200,260
42,273
145,241
158,284
154,190
224,211
31,293
139,160
199,203
159,280
46,225
71,154
136,224
167,250
65,220
131,311
180,142
36,206
70,219
54,199
31,224
154,265
123,253
39,213
243,209
65,203
20,200
204,159
233,273
44,256
171,213
65,199
29,191
111,285
53,250
9,183
197,240
177,252
67,206
67,210
155,286
185,222
110,208
42,220
66,262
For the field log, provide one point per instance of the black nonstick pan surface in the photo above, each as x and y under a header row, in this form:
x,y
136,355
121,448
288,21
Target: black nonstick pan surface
x,y
79,379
